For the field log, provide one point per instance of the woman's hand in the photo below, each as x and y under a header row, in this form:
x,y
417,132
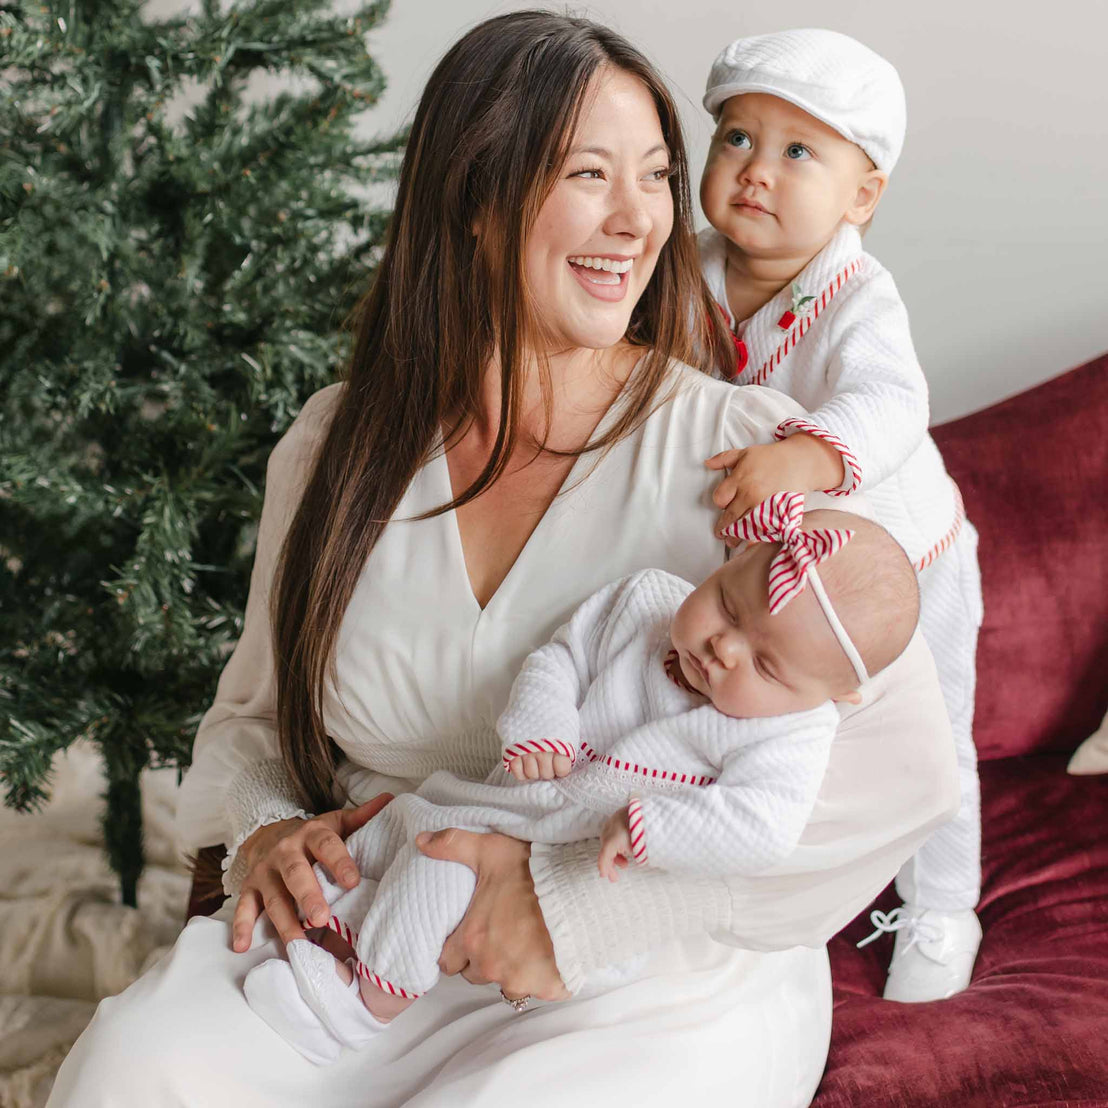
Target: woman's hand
x,y
502,936
279,878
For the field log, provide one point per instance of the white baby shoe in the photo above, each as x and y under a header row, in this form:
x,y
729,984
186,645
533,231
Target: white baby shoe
x,y
306,1002
339,1006
934,951
272,992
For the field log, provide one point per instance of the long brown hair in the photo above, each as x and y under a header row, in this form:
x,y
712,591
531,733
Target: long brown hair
x,y
490,135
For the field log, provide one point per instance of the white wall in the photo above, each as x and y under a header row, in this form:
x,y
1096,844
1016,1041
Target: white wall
x,y
996,222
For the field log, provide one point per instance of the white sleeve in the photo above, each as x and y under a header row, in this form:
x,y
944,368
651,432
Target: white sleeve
x,y
237,781
878,412
752,816
542,711
891,779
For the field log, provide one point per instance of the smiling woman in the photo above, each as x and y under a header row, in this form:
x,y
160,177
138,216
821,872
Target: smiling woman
x,y
519,427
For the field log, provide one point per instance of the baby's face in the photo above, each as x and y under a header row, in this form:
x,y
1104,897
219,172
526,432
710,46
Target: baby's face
x,y
747,662
778,182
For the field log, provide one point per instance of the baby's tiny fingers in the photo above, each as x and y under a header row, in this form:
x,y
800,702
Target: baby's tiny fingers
x,y
562,765
515,768
727,490
725,459
531,767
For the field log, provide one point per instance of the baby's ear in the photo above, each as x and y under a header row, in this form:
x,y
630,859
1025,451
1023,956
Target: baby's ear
x,y
870,188
854,697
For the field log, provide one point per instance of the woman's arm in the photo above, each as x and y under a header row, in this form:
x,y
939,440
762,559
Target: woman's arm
x,y
237,783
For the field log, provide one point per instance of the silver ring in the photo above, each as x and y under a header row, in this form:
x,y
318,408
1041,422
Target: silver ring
x,y
518,1003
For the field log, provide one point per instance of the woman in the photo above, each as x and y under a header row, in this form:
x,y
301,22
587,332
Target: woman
x,y
493,348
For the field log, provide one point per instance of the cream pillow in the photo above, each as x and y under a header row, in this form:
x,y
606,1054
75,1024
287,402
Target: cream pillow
x,y
1092,755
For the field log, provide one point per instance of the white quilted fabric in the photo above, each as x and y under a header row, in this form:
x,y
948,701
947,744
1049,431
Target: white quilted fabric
x,y
856,372
829,75
603,677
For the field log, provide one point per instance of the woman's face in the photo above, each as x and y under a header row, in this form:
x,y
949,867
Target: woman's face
x,y
596,240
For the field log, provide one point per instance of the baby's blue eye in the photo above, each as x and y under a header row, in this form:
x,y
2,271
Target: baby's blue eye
x,y
738,139
797,152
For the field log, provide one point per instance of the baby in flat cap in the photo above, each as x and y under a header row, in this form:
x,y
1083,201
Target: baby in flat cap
x,y
809,126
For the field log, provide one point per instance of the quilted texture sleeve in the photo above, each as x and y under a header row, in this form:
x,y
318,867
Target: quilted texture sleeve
x,y
891,779
542,711
236,782
752,817
878,412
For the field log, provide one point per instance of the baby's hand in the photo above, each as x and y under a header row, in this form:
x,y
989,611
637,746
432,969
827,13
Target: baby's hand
x,y
615,845
542,766
800,463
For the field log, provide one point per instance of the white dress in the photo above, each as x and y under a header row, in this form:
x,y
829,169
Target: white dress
x,y
423,673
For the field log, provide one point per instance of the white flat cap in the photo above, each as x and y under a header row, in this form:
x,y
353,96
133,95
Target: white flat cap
x,y
828,75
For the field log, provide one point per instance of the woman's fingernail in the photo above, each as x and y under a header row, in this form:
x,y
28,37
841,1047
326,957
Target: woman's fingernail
x,y
350,874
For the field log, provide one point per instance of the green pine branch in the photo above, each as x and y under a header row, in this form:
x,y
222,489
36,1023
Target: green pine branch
x,y
173,285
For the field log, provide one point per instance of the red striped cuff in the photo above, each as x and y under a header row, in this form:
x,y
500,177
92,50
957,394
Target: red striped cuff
x,y
637,826
851,467
538,746
384,985
344,929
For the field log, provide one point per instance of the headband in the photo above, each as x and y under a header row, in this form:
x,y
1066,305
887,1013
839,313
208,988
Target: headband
x,y
778,519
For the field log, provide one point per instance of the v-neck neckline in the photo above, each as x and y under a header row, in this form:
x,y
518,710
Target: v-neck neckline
x,y
569,482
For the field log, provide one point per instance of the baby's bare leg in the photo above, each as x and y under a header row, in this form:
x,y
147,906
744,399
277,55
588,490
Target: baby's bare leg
x,y
382,1005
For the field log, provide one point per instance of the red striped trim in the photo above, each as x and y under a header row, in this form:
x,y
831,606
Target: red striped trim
x,y
637,826
849,460
646,771
778,519
538,746
384,985
945,542
351,936
799,331
672,666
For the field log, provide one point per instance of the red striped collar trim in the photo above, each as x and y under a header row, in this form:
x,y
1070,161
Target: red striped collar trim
x,y
674,672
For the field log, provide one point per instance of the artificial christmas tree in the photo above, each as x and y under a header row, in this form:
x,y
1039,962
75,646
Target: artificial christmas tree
x,y
173,283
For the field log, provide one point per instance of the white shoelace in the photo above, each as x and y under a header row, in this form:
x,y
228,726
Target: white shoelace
x,y
897,920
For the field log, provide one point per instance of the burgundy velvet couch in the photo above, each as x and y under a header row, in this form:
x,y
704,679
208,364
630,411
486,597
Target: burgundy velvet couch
x,y
1032,1028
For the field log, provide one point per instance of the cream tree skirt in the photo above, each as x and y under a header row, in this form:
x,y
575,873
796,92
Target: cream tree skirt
x,y
65,940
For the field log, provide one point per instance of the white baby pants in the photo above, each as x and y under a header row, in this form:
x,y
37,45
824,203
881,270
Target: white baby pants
x,y
945,873
404,909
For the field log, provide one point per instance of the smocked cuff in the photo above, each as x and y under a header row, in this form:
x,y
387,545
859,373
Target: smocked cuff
x,y
259,795
595,923
852,469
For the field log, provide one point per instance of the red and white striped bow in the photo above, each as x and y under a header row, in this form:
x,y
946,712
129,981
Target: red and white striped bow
x,y
777,519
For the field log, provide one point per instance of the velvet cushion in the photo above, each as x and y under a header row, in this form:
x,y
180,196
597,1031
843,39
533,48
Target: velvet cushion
x,y
1032,1028
1033,471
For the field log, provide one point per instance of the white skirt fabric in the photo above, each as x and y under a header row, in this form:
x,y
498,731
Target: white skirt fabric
x,y
698,1023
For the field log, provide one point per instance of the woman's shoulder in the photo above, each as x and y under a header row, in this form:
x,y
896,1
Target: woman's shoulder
x,y
290,461
743,410
307,430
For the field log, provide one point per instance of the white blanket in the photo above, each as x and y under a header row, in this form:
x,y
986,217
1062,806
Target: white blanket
x,y
65,940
